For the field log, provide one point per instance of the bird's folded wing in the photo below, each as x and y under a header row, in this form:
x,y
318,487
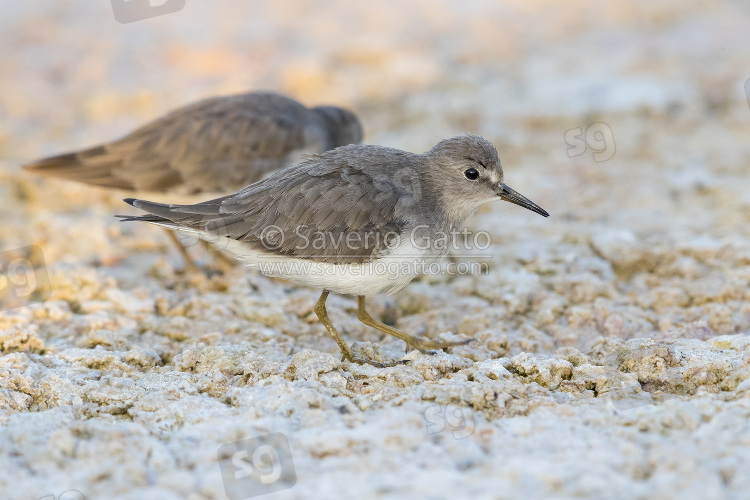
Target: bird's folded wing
x,y
314,211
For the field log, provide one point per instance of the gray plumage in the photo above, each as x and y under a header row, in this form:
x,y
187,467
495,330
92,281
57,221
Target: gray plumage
x,y
216,145
352,190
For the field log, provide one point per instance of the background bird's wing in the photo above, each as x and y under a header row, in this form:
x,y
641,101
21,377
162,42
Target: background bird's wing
x,y
319,210
215,145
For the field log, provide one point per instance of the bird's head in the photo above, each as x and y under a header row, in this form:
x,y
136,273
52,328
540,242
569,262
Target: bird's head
x,y
343,126
467,173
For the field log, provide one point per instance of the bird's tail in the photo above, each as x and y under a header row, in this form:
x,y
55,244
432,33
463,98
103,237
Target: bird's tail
x,y
159,214
94,166
190,218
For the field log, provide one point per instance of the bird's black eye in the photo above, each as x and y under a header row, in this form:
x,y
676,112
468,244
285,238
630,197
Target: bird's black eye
x,y
472,174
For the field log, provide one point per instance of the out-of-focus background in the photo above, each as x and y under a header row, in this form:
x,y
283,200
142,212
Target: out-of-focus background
x,y
612,344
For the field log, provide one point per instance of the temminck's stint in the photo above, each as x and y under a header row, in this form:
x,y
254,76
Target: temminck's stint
x,y
217,146
345,220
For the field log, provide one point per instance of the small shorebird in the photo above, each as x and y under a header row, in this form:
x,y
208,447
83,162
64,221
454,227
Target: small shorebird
x,y
346,220
217,146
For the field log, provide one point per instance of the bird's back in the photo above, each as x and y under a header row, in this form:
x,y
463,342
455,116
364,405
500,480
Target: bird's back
x,y
216,145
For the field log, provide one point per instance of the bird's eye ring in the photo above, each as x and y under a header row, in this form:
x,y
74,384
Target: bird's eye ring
x,y
472,174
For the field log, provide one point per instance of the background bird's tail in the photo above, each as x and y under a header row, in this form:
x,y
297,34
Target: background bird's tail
x,y
92,166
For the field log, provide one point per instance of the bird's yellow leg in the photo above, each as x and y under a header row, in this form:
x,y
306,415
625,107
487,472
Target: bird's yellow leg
x,y
347,353
424,345
190,265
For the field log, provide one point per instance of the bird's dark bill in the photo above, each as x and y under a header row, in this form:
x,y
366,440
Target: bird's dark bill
x,y
507,194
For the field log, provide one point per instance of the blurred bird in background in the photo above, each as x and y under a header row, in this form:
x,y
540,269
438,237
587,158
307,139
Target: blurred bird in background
x,y
217,145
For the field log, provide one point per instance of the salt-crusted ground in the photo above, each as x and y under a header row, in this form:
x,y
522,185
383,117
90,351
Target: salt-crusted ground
x,y
613,339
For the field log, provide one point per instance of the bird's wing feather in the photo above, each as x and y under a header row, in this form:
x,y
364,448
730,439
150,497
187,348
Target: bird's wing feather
x,y
322,210
215,145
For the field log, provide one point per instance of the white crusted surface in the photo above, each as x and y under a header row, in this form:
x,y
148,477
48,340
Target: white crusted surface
x,y
613,351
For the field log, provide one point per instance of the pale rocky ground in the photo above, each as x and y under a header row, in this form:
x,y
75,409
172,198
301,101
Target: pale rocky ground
x,y
613,339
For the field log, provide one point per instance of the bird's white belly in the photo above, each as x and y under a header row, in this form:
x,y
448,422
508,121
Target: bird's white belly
x,y
386,274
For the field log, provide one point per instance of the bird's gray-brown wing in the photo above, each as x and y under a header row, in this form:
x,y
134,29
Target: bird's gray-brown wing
x,y
321,210
216,145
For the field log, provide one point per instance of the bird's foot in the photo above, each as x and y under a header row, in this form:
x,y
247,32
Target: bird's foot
x,y
428,346
352,357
